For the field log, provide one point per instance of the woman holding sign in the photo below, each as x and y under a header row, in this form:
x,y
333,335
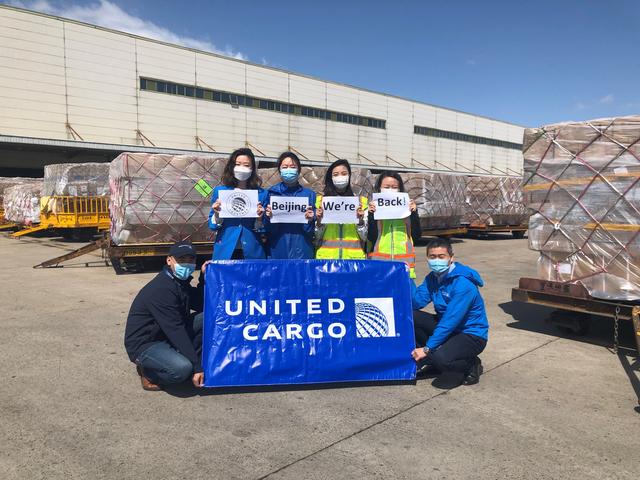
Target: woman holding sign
x,y
237,210
290,212
341,224
392,235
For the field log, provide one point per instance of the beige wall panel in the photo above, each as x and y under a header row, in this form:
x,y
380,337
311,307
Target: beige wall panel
x,y
268,131
424,151
342,140
308,92
399,131
445,119
222,126
342,99
267,83
308,136
424,115
220,74
166,63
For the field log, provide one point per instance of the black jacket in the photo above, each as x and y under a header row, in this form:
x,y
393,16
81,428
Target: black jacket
x,y
162,312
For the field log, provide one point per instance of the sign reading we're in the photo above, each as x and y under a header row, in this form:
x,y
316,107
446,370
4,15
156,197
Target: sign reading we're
x,y
340,209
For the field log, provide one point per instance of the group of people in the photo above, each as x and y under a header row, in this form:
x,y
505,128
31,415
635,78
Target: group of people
x,y
259,238
163,335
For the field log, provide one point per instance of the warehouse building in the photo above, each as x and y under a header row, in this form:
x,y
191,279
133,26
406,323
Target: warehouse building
x,y
75,92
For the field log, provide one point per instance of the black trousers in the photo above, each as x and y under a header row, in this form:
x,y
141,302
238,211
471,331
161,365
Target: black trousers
x,y
456,354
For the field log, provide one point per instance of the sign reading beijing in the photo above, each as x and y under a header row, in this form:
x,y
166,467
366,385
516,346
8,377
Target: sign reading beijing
x,y
307,321
288,209
238,203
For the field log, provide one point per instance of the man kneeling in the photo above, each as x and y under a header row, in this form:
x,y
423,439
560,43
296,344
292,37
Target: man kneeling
x,y
163,337
451,340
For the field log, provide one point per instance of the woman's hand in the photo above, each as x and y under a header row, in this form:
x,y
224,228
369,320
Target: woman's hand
x,y
360,213
372,207
412,206
309,213
319,213
260,209
268,211
217,206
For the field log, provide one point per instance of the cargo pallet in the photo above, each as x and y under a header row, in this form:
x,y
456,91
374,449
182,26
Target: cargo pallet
x,y
575,298
72,216
444,232
133,258
517,231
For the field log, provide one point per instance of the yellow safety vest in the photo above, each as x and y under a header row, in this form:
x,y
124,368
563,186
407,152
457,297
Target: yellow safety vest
x,y
394,243
341,241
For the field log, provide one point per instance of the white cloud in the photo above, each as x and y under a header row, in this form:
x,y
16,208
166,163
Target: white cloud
x,y
607,99
107,14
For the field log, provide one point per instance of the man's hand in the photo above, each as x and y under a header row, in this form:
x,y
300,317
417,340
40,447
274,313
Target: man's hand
x,y
204,266
308,214
418,354
198,380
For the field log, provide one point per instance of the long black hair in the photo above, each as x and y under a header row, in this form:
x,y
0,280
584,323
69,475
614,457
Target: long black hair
x,y
229,180
329,188
292,156
388,173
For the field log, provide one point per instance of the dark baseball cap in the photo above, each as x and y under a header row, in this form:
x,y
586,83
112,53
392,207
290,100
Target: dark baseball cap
x,y
180,249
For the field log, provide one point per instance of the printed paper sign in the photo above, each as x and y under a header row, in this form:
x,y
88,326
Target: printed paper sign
x,y
340,209
262,328
390,206
288,209
238,203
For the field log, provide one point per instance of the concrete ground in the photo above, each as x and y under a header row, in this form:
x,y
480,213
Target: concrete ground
x,y
71,405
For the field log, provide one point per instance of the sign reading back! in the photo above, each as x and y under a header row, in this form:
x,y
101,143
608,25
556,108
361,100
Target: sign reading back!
x,y
390,206
288,209
238,203
340,209
262,328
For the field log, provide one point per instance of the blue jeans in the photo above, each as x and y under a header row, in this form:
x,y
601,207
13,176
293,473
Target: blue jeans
x,y
161,363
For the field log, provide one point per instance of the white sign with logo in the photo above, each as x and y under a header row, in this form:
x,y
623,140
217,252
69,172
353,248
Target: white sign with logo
x,y
390,206
340,209
238,203
288,209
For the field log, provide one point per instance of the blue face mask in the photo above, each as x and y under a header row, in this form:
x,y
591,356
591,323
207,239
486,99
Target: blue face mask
x,y
438,265
289,175
184,270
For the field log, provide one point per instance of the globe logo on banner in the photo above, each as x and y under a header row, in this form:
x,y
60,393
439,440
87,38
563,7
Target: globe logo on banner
x,y
374,317
239,204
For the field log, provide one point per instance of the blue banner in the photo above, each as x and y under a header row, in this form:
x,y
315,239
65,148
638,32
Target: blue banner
x,y
275,322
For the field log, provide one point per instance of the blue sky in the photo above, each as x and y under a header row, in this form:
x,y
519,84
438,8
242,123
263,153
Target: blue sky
x,y
530,63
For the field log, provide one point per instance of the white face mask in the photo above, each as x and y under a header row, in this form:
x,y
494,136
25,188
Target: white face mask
x,y
390,190
242,173
341,182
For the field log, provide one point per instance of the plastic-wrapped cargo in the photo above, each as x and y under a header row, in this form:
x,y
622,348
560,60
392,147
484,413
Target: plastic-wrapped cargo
x,y
494,201
76,179
313,179
439,198
22,203
581,181
156,198
6,182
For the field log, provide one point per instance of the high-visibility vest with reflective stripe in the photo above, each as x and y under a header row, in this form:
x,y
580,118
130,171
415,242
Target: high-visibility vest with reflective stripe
x,y
394,243
341,241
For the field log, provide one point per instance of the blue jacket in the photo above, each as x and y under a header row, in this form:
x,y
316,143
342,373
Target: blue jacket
x,y
291,240
230,230
457,301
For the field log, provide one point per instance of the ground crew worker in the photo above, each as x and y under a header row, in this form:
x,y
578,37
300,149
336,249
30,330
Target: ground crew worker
x,y
163,336
452,339
340,241
393,239
290,240
238,238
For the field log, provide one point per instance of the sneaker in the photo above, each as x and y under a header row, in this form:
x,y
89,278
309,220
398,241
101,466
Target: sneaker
x,y
473,376
147,384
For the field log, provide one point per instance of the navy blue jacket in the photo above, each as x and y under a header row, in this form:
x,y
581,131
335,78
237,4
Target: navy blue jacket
x,y
457,301
291,240
160,313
